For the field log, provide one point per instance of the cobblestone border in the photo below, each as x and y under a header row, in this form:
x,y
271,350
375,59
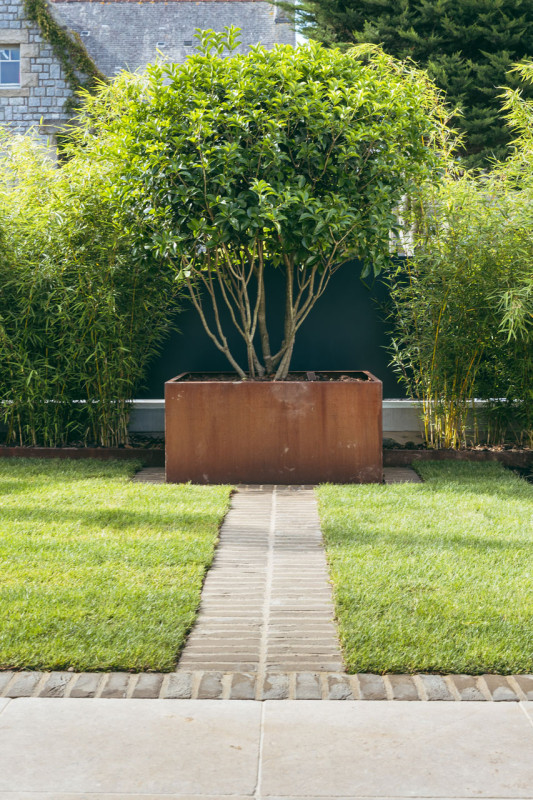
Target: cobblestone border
x,y
276,686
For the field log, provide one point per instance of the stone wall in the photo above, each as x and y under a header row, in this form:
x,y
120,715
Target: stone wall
x,y
39,101
120,34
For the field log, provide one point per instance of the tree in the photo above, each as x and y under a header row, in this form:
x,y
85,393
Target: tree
x,y
281,159
467,47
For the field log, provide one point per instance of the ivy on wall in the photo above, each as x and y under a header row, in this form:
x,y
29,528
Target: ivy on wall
x,y
68,49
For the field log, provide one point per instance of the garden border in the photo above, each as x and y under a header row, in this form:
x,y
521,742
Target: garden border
x,y
155,457
205,685
520,459
150,457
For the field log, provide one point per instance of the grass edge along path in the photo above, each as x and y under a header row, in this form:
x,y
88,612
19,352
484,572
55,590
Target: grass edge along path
x,y
433,577
98,572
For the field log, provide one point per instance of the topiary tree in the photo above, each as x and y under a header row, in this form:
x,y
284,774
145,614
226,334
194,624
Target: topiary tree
x,y
285,159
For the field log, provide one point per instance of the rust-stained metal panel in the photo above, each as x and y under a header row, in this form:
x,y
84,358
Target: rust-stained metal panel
x,y
286,432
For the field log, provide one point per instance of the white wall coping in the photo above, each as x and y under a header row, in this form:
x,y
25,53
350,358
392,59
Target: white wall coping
x,y
400,402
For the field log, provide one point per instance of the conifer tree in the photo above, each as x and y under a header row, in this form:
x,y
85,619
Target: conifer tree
x,y
467,46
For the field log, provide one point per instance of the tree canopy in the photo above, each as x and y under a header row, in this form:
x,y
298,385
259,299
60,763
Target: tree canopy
x,y
293,159
467,47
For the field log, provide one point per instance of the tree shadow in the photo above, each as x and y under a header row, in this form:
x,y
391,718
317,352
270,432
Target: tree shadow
x,y
119,519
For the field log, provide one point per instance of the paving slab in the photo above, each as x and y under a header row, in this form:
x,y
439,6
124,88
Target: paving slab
x,y
371,687
436,687
400,475
210,686
24,684
386,750
403,687
150,475
141,747
120,796
116,796
56,684
500,689
212,750
528,708
339,687
468,686
179,686
86,684
525,685
148,686
116,685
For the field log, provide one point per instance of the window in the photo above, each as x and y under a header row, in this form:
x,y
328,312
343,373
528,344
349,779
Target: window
x,y
10,66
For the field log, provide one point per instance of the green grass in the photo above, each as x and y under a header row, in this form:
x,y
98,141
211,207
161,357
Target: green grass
x,y
436,576
97,572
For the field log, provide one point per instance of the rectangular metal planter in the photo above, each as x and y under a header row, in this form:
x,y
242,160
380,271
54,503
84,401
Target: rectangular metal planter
x,y
285,432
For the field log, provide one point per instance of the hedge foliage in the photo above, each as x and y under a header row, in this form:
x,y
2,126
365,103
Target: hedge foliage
x,y
463,302
81,312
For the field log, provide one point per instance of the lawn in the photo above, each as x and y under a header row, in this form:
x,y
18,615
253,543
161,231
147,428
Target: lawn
x,y
435,576
97,572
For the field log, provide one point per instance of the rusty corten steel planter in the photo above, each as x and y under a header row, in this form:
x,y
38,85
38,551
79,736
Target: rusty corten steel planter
x,y
286,432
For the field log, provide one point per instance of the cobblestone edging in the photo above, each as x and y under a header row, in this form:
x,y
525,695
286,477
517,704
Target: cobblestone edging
x,y
203,685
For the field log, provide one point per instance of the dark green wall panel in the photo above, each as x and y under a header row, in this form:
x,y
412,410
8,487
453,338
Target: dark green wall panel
x,y
345,331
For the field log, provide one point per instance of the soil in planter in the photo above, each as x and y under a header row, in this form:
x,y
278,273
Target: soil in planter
x,y
346,377
392,444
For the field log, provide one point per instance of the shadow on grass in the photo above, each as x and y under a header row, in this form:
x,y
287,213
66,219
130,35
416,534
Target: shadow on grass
x,y
414,543
490,480
116,518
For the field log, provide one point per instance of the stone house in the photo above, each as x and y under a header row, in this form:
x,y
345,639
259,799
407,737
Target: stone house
x,y
118,34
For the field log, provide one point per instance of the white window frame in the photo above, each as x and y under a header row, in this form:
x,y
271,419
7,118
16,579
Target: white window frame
x,y
10,47
12,38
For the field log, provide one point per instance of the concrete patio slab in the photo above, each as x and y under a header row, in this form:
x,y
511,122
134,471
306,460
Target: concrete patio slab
x,y
455,750
179,748
528,708
277,750
119,796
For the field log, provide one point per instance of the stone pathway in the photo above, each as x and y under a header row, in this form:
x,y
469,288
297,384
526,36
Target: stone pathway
x,y
267,603
400,475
